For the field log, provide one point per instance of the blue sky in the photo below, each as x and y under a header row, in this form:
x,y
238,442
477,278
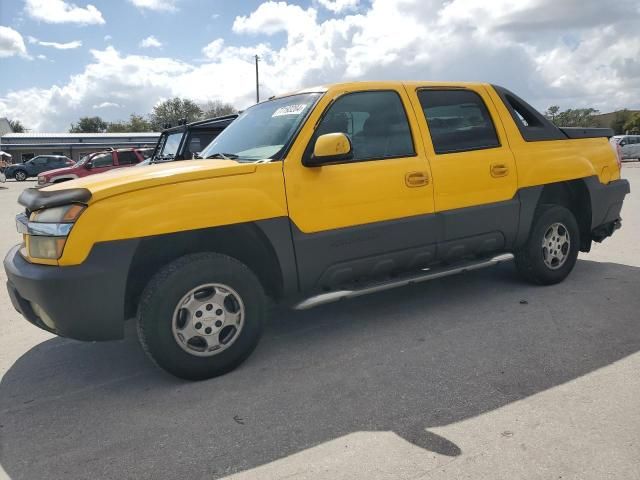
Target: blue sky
x,y
64,59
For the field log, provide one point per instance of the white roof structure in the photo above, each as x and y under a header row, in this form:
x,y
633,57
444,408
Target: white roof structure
x,y
59,136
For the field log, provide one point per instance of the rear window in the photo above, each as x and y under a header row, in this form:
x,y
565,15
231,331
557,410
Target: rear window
x,y
458,120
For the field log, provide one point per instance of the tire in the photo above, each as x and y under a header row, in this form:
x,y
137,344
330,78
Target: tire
x,y
20,175
530,260
180,342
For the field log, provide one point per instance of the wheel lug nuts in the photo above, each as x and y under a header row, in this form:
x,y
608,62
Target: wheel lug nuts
x,y
219,311
208,330
218,323
198,314
198,326
209,307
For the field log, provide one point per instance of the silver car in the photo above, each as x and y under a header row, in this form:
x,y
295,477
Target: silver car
x,y
629,146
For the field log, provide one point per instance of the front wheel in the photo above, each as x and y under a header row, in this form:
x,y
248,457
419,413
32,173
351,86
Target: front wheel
x,y
552,248
20,175
201,316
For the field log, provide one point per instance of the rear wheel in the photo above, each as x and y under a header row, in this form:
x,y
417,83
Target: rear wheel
x,y
552,248
201,316
20,175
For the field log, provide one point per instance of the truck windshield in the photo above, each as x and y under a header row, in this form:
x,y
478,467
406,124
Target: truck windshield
x,y
170,145
262,131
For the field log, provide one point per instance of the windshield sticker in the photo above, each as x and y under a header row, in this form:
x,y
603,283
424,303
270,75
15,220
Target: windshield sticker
x,y
290,110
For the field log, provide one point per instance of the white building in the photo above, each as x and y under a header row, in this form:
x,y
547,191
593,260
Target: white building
x,y
24,146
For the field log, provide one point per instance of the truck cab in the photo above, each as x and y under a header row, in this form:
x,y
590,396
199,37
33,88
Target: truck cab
x,y
186,141
312,197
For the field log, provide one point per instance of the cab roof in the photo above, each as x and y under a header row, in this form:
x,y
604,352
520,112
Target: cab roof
x,y
378,84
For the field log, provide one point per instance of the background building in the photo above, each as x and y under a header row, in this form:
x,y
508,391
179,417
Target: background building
x,y
24,146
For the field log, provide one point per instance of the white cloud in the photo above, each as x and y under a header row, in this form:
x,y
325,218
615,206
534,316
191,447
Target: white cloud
x,y
11,43
337,6
106,105
41,57
156,5
592,60
150,42
59,11
59,46
107,38
273,17
214,48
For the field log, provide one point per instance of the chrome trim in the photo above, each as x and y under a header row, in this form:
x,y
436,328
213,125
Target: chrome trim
x,y
378,287
24,226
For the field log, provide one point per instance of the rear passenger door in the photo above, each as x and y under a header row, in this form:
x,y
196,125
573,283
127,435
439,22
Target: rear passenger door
x,y
474,171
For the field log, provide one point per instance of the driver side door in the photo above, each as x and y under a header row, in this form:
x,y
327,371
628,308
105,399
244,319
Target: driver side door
x,y
370,216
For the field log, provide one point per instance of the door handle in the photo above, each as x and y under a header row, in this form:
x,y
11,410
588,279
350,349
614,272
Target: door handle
x,y
499,170
416,179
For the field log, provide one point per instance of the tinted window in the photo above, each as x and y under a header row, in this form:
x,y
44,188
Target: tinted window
x,y
40,161
127,158
375,122
458,120
197,142
102,160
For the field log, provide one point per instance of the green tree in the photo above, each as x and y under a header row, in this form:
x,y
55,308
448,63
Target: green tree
x,y
619,120
217,108
578,117
136,123
17,126
174,110
552,112
633,124
89,125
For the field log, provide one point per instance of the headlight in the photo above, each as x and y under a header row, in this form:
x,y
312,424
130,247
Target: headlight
x,y
46,230
64,214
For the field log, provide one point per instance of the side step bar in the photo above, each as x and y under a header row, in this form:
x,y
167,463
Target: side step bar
x,y
430,274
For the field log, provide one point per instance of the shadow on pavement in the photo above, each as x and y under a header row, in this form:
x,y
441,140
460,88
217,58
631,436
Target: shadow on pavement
x,y
401,361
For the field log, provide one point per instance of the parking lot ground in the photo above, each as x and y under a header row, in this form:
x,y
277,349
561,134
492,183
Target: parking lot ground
x,y
478,376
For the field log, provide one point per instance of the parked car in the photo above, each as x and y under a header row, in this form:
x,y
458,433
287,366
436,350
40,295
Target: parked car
x,y
317,196
91,164
629,146
186,141
37,165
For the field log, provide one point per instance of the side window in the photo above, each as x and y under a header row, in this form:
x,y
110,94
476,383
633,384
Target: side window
x,y
375,122
198,141
102,160
40,161
458,120
127,158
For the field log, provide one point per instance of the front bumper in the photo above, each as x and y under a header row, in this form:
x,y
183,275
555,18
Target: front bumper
x,y
85,302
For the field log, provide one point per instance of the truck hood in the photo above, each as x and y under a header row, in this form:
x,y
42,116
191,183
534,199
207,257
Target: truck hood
x,y
122,180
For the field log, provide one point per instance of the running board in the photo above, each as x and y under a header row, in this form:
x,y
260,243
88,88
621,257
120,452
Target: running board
x,y
430,274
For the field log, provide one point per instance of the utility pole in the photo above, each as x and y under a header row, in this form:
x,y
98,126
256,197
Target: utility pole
x,y
257,81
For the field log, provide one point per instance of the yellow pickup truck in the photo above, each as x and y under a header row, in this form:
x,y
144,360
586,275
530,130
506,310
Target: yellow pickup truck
x,y
315,196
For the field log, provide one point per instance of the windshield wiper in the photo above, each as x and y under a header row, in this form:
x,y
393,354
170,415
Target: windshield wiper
x,y
225,156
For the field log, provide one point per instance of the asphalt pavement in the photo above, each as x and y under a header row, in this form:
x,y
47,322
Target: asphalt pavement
x,y
477,376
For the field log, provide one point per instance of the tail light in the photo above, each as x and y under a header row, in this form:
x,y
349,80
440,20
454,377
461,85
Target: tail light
x,y
618,152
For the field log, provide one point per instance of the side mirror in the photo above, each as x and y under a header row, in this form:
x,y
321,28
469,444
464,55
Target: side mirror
x,y
88,165
330,148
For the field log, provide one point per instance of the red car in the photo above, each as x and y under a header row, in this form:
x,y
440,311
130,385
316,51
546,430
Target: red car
x,y
91,164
